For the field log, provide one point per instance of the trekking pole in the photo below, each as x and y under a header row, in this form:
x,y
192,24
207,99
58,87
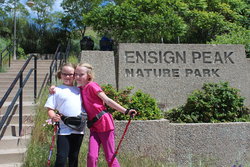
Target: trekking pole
x,y
120,142
52,143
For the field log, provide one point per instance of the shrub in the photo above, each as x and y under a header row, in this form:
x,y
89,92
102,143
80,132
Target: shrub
x,y
238,36
73,59
142,102
21,54
216,102
146,105
3,43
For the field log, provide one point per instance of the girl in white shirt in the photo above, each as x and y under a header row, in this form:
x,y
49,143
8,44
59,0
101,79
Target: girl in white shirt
x,y
66,100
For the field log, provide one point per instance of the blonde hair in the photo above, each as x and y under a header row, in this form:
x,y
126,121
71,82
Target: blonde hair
x,y
90,70
59,72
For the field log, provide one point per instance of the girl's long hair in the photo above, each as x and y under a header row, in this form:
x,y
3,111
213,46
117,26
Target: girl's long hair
x,y
90,70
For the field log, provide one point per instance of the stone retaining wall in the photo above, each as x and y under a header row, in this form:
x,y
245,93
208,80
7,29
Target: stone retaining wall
x,y
214,144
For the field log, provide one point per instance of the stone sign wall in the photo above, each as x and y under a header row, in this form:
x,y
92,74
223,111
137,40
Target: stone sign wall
x,y
103,63
170,72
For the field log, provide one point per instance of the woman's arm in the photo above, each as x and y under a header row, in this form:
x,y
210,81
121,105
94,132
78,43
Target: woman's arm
x,y
111,103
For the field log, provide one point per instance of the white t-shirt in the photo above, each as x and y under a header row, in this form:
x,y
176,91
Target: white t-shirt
x,y
67,100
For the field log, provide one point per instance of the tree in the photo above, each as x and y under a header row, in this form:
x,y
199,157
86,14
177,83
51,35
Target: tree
x,y
203,26
139,21
74,10
237,36
207,19
43,10
7,16
191,21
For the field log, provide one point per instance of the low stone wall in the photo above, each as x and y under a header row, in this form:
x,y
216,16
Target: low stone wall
x,y
212,144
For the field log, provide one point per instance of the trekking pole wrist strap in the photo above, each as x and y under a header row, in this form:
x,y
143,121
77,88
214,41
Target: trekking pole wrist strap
x,y
127,111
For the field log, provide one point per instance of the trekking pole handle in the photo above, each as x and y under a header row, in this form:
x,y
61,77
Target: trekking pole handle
x,y
132,115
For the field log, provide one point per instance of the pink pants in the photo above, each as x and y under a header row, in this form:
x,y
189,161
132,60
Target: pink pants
x,y
107,139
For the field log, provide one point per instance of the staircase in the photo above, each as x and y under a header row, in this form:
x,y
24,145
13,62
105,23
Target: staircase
x,y
12,146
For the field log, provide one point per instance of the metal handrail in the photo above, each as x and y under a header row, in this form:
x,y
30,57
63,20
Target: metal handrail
x,y
65,55
53,65
67,51
63,59
3,54
45,82
19,93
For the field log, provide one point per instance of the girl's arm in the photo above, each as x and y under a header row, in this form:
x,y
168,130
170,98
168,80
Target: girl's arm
x,y
52,89
55,117
111,103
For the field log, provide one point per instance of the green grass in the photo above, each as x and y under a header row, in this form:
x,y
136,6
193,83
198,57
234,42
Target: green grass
x,y
3,69
5,62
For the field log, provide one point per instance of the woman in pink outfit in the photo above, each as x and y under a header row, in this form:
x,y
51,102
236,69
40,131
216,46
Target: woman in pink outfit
x,y
101,123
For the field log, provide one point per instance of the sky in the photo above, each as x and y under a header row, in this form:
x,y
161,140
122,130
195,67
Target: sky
x,y
57,6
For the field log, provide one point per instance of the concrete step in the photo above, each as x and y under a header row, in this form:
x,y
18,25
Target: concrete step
x,y
25,98
12,147
12,165
12,155
39,63
17,70
26,91
27,94
40,74
32,60
31,64
26,71
17,65
6,84
12,142
14,74
26,119
13,129
28,86
29,81
28,109
9,78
